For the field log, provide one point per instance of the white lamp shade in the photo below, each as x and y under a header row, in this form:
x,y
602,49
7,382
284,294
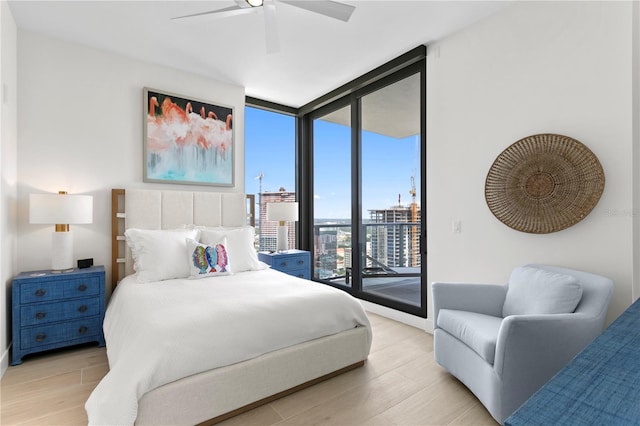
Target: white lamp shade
x,y
60,208
283,212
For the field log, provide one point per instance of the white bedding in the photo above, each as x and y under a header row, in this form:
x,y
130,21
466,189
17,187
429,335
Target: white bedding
x,y
227,320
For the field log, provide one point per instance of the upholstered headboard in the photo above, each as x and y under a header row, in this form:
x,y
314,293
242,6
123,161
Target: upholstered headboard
x,y
159,209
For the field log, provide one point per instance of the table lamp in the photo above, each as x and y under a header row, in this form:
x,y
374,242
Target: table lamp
x,y
61,210
282,212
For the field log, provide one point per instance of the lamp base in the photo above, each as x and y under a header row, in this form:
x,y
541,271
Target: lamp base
x,y
62,251
283,238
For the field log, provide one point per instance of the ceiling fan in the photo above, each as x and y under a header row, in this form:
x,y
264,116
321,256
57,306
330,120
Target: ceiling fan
x,y
332,9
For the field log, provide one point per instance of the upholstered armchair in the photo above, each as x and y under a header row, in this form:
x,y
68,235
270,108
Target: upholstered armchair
x,y
505,341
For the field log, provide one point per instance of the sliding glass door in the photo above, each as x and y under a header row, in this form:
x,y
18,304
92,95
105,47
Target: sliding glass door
x,y
390,192
332,197
368,184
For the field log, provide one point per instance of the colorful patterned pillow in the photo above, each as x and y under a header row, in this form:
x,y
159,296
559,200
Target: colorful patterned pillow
x,y
240,245
207,260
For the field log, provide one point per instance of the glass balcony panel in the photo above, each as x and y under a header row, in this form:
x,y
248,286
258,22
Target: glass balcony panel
x,y
332,195
390,193
390,270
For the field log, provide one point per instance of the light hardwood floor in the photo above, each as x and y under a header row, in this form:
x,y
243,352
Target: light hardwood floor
x,y
399,385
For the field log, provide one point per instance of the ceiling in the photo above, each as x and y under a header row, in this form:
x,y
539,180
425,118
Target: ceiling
x,y
317,54
392,111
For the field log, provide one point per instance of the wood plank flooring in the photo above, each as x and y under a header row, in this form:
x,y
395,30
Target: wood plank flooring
x,y
400,384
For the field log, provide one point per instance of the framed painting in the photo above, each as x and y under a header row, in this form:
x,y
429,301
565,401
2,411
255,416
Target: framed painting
x,y
186,140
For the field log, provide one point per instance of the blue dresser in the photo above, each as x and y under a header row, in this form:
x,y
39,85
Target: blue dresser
x,y
600,386
52,310
292,262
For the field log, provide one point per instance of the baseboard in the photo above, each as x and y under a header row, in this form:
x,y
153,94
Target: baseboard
x,y
4,362
425,324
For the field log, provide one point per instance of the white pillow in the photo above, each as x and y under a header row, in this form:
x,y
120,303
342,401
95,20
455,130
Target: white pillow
x,y
240,245
159,254
207,260
537,291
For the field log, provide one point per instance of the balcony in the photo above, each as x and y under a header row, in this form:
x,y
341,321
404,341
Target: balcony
x,y
391,261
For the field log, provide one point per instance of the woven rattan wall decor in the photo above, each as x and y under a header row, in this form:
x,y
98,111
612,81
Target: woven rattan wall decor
x,y
544,183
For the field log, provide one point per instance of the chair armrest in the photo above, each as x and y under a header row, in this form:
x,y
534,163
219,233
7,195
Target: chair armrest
x,y
485,299
533,348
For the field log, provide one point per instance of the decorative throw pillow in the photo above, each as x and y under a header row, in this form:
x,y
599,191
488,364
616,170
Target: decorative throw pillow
x,y
159,254
537,291
207,260
240,244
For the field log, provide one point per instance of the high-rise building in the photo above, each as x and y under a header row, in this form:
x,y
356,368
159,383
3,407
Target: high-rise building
x,y
395,241
347,257
326,258
269,228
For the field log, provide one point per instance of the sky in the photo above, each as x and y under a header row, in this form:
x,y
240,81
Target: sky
x,y
387,164
270,150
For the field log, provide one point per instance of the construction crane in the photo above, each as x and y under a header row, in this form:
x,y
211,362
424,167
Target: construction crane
x,y
259,177
415,235
413,188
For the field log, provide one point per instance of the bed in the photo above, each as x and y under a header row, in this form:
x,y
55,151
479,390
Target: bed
x,y
222,344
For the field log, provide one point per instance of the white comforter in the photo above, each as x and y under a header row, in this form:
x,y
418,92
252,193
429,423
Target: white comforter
x,y
160,332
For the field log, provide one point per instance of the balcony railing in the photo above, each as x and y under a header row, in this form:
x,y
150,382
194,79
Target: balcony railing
x,y
392,249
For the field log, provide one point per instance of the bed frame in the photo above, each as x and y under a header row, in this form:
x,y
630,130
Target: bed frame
x,y
216,395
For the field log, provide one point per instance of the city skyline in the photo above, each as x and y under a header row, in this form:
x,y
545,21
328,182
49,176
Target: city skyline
x,y
388,164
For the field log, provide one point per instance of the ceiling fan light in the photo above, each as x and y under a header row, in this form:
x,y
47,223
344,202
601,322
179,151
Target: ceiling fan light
x,y
254,3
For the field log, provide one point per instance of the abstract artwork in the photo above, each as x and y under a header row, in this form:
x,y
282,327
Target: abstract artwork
x,y
187,141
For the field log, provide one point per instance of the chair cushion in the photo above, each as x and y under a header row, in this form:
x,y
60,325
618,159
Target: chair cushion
x,y
478,331
538,291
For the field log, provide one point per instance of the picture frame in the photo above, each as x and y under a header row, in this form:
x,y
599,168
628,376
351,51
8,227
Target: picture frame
x,y
187,140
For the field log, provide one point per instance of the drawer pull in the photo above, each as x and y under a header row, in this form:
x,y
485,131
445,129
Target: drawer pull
x,y
40,337
83,329
283,264
300,275
40,292
82,308
40,315
301,262
82,287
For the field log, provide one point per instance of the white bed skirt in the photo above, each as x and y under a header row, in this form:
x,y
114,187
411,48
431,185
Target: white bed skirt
x,y
208,395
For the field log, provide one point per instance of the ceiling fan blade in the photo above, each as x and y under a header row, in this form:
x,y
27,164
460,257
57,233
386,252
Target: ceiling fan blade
x,y
218,13
271,27
332,9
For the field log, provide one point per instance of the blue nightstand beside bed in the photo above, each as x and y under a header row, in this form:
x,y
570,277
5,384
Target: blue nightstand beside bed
x,y
292,262
53,310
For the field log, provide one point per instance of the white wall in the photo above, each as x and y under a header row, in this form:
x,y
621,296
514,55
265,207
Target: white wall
x,y
8,172
535,67
80,130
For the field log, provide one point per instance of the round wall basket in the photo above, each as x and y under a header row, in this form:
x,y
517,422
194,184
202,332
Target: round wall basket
x,y
544,183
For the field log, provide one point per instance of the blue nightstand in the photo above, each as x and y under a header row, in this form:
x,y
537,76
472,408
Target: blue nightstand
x,y
292,262
53,310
